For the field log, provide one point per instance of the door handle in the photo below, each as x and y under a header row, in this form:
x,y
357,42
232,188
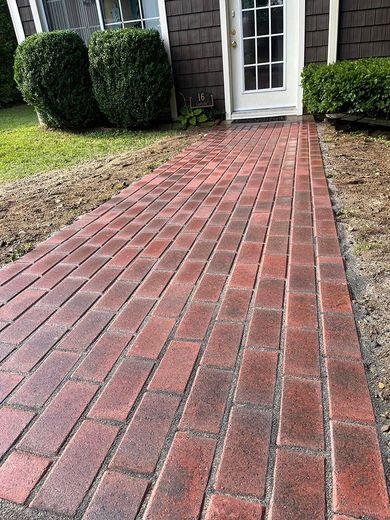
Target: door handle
x,y
234,44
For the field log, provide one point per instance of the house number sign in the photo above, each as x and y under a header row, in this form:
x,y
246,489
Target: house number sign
x,y
202,100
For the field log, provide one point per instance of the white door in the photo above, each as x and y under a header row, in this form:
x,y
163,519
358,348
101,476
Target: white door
x,y
266,45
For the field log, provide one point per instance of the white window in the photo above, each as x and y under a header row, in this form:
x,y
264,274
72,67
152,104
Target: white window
x,y
131,13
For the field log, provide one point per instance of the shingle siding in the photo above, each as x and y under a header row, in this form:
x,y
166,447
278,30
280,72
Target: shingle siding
x,y
26,17
316,32
196,50
364,29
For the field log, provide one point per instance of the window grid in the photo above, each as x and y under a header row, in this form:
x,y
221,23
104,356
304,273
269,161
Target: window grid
x,y
270,35
140,20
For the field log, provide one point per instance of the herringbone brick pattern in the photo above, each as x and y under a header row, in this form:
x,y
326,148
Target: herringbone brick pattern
x,y
188,349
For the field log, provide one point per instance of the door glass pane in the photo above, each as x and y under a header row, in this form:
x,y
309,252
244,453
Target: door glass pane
x,y
132,25
248,23
261,3
277,75
249,52
247,4
263,77
277,48
276,2
250,78
80,17
130,10
150,9
152,24
277,20
111,11
262,50
262,22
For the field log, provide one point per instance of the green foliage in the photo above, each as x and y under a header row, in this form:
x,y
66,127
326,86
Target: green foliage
x,y
131,75
348,86
51,70
8,91
192,116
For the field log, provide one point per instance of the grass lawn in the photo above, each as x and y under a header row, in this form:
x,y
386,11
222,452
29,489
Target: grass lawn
x,y
26,149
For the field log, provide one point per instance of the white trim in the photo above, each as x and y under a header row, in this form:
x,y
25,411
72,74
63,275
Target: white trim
x,y
165,36
228,91
100,14
36,16
333,33
16,21
225,32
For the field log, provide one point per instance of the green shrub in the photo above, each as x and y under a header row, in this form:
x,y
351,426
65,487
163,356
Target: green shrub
x,y
131,75
51,70
348,86
8,91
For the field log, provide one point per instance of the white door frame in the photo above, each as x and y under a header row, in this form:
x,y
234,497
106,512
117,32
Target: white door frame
x,y
227,72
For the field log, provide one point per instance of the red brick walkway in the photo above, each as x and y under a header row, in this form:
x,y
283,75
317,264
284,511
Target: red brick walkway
x,y
189,349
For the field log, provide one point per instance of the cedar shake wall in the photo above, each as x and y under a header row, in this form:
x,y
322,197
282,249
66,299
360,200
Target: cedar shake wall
x,y
316,37
26,17
195,41
364,29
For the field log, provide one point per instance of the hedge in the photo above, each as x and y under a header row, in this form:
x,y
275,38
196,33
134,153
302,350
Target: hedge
x,y
51,70
359,86
8,91
131,75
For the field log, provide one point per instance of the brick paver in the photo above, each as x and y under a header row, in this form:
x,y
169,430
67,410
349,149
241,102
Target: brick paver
x,y
188,349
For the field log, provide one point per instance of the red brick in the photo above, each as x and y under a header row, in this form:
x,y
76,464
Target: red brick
x,y
299,487
117,496
270,293
8,382
81,254
11,270
331,271
85,332
175,367
74,309
143,441
45,263
359,486
301,414
101,280
243,276
273,266
53,277
328,246
156,248
186,469
124,257
301,278
264,329
38,388
224,507
211,232
184,241
87,450
189,272
335,297
111,247
62,292
152,338
207,400
235,305
14,287
14,308
349,397
302,353
210,287
229,241
340,336
102,357
12,424
255,233
173,301
201,250
122,390
19,474
250,253
138,269
18,331
133,315
302,310
171,260
276,245
221,262
195,321
56,422
256,381
243,466
223,345
154,284
116,296
302,218
302,254
195,224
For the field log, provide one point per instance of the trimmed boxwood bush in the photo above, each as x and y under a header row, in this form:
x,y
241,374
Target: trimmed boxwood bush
x,y
131,75
51,70
348,86
8,91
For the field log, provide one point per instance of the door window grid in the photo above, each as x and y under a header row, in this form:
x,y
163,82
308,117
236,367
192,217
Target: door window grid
x,y
117,9
275,73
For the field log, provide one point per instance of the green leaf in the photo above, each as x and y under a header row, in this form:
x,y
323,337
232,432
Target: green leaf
x,y
192,121
198,111
202,118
